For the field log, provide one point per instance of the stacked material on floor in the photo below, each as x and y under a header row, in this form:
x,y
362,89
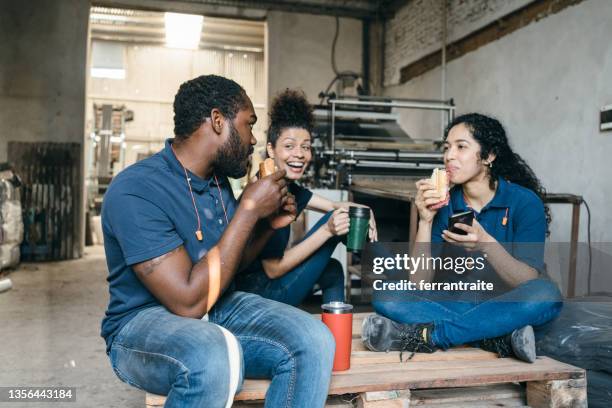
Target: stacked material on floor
x,y
582,336
11,221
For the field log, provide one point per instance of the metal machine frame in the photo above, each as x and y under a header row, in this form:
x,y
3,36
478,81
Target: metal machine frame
x,y
360,158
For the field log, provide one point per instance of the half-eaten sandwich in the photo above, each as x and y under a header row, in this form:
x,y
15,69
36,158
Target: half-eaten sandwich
x,y
439,178
266,167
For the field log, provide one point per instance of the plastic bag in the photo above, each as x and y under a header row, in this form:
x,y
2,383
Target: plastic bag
x,y
581,335
11,219
8,192
599,389
9,255
11,222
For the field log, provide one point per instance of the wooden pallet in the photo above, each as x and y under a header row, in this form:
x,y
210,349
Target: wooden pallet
x,y
432,380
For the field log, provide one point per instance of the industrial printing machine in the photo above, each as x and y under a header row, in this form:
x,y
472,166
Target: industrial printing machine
x,y
360,137
358,142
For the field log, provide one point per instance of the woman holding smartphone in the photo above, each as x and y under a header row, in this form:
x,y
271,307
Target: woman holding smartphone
x,y
508,229
285,274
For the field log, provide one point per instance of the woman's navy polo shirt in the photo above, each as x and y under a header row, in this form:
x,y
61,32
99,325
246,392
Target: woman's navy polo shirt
x,y
522,235
147,212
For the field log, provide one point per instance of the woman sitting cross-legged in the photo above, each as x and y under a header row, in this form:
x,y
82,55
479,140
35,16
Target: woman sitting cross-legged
x,y
285,274
508,232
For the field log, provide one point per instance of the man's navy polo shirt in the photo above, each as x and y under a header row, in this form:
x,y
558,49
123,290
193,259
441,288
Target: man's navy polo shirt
x,y
147,212
526,222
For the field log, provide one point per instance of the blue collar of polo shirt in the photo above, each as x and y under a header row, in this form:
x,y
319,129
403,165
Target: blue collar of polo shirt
x,y
501,199
197,183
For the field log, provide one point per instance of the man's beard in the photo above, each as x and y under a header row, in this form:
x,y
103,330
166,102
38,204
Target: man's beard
x,y
232,157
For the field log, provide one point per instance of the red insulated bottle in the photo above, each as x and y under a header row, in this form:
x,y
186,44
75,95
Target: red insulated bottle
x,y
338,317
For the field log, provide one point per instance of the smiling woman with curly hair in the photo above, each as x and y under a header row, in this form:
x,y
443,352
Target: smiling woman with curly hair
x,y
284,274
510,223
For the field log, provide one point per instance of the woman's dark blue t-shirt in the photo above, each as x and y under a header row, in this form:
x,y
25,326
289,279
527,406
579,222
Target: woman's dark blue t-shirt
x,y
275,248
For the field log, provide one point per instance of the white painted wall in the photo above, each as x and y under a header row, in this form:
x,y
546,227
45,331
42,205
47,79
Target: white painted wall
x,y
299,51
153,76
546,83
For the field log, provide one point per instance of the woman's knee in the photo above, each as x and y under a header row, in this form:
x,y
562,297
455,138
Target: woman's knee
x,y
540,301
333,272
541,290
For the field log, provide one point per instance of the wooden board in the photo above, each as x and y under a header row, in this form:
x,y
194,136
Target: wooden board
x,y
433,374
443,396
457,367
499,395
335,401
558,394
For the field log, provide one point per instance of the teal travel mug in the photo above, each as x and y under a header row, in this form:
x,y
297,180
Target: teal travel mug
x,y
360,221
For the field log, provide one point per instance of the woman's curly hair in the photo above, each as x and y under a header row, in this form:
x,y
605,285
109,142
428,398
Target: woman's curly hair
x,y
290,109
491,136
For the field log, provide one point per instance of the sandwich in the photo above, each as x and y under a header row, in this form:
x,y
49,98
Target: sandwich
x,y
439,179
266,168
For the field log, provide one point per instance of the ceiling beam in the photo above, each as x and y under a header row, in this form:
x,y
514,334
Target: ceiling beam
x,y
258,9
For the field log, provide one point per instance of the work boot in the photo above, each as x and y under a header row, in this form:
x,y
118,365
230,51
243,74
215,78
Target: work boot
x,y
520,344
381,334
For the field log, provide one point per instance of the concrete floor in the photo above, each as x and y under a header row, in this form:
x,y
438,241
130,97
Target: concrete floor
x,y
49,332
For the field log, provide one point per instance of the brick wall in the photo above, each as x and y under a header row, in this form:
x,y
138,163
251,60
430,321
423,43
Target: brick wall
x,y
416,29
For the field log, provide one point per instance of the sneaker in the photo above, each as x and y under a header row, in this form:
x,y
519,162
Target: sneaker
x,y
381,334
520,344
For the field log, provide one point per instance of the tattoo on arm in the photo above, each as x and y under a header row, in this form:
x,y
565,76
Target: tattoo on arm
x,y
148,266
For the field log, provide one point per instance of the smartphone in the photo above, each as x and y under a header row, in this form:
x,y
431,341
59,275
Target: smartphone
x,y
460,218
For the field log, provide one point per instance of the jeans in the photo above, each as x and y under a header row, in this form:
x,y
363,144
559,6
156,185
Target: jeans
x,y
190,360
294,286
534,302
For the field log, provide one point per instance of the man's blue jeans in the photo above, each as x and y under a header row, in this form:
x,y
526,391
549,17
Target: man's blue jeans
x,y
534,302
294,286
188,359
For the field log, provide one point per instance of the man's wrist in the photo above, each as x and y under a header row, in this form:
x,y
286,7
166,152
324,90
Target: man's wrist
x,y
246,216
